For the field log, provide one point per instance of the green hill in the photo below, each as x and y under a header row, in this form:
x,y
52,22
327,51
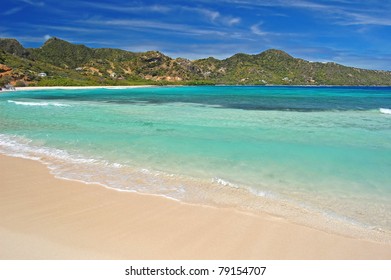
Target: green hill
x,y
65,63
12,46
62,54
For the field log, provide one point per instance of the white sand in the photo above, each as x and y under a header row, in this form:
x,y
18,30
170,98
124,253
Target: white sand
x,y
42,217
80,87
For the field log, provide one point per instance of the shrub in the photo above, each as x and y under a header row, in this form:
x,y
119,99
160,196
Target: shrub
x,y
20,84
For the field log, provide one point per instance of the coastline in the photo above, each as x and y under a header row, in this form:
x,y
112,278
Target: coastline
x,y
42,217
79,87
145,86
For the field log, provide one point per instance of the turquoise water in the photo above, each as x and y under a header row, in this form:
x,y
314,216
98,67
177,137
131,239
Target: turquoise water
x,y
317,155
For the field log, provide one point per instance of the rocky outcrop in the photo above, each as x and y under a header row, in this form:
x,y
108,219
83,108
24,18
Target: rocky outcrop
x,y
5,70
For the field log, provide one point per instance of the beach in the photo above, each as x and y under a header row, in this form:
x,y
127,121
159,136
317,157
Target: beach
x,y
42,217
78,87
195,173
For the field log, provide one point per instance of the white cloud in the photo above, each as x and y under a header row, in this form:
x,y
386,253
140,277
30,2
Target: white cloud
x,y
67,28
211,15
339,12
156,26
33,3
233,21
128,9
12,11
256,29
364,19
47,37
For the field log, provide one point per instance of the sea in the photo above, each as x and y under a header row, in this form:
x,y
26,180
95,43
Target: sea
x,y
316,156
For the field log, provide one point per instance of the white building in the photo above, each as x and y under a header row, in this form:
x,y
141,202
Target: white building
x,y
43,74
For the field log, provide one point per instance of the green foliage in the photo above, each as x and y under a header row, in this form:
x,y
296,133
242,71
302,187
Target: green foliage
x,y
69,64
20,84
48,82
199,83
62,54
12,46
5,80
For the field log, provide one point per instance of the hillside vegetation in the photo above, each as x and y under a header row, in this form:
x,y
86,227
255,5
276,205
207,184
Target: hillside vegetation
x,y
64,63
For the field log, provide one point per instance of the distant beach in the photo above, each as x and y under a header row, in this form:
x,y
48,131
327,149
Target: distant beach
x,y
81,87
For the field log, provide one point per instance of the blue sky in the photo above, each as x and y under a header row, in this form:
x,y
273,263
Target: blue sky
x,y
354,33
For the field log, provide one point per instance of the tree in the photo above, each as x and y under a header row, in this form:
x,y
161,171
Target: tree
x,y
5,80
20,84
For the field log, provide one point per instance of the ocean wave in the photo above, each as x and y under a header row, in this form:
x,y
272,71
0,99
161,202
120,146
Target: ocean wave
x,y
224,182
18,146
385,111
125,177
68,165
118,175
43,104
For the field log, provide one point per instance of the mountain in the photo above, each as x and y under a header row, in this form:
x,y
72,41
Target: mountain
x,y
12,46
65,63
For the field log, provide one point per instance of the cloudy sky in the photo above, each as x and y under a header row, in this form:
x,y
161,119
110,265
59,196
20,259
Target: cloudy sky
x,y
351,32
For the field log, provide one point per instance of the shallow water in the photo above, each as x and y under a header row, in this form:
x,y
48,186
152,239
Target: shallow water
x,y
317,155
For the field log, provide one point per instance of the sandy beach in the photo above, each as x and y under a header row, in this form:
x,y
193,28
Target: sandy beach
x,y
42,217
78,87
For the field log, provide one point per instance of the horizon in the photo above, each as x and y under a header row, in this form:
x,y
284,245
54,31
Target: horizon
x,y
351,33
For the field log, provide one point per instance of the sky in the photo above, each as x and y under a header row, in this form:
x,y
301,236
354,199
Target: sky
x,y
354,33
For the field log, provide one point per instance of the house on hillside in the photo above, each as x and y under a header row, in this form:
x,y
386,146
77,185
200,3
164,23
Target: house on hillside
x,y
42,74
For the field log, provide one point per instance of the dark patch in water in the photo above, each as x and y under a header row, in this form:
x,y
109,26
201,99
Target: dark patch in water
x,y
305,99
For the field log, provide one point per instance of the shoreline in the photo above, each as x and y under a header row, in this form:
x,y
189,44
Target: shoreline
x,y
144,86
42,217
79,87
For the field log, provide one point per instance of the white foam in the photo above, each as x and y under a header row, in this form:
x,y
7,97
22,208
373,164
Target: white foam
x,y
17,146
260,193
145,171
385,111
43,104
117,165
123,177
83,168
224,183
